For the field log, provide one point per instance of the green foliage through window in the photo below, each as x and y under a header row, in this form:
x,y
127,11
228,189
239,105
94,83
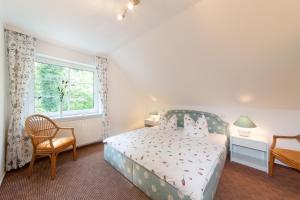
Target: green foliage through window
x,y
79,93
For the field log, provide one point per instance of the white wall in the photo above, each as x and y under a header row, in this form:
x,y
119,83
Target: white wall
x,y
269,121
57,51
126,102
3,95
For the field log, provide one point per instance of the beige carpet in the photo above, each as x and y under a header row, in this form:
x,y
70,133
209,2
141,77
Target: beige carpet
x,y
90,177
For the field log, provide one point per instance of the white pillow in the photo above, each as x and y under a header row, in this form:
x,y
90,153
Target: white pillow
x,y
166,124
198,128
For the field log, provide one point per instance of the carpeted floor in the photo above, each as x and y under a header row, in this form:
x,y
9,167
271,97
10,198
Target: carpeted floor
x,y
91,178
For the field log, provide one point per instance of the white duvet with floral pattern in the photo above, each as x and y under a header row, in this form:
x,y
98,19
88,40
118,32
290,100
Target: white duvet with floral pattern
x,y
183,161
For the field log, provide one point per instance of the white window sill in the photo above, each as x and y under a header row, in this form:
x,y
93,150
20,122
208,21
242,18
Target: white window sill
x,y
77,117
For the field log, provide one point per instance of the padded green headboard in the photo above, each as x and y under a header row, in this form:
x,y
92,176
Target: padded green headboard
x,y
215,123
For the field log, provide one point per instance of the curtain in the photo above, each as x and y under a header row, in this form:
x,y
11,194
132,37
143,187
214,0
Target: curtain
x,y
101,67
20,58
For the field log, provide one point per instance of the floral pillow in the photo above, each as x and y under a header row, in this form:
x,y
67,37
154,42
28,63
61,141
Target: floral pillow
x,y
166,124
198,128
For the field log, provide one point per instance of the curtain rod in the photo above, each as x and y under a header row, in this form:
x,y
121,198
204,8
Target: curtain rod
x,y
102,57
6,30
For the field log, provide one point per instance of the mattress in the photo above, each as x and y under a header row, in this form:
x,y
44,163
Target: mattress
x,y
169,164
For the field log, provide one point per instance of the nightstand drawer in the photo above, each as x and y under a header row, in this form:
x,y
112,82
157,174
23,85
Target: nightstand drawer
x,y
249,143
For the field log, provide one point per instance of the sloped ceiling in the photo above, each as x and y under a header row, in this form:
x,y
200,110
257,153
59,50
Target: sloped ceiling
x,y
191,52
221,53
89,25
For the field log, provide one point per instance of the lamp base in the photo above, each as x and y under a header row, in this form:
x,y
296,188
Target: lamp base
x,y
244,133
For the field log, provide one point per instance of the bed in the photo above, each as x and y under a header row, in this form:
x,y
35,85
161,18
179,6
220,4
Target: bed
x,y
168,164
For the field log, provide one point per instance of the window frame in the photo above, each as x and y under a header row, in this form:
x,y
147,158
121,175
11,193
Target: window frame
x,y
72,65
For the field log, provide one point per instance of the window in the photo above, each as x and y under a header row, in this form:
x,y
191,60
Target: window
x,y
79,84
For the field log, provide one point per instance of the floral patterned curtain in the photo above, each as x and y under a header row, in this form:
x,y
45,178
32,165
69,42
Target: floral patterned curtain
x,y
20,57
101,66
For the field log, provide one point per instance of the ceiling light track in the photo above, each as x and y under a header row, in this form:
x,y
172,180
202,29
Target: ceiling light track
x,y
130,6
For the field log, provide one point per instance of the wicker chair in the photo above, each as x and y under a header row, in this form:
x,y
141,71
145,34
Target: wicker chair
x,y
43,131
287,156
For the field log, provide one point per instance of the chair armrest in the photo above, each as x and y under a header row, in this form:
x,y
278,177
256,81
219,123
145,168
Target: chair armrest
x,y
34,139
275,137
41,137
285,137
68,128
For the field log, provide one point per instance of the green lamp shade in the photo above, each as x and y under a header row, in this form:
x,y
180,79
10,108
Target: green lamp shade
x,y
244,122
153,113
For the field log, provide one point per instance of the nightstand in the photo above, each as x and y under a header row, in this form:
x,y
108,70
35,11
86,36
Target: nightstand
x,y
252,151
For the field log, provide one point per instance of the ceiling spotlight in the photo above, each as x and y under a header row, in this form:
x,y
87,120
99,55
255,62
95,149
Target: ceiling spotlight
x,y
130,5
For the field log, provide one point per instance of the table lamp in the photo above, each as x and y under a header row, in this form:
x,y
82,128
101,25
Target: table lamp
x,y
244,125
153,119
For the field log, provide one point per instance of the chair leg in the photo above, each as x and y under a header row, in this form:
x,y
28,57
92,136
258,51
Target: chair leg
x,y
53,165
271,164
30,168
74,151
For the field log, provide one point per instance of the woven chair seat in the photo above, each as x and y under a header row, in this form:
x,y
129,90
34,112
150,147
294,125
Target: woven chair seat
x,y
287,156
291,155
58,143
